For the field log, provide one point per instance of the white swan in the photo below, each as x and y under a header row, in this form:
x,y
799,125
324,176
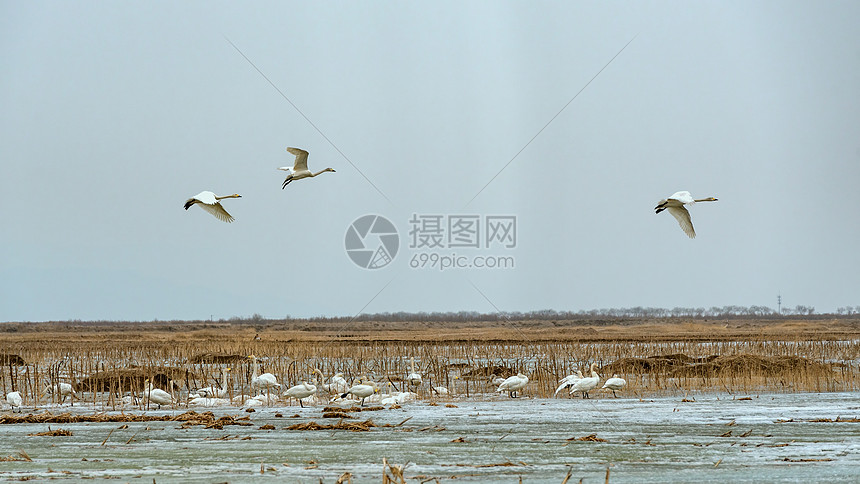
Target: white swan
x,y
14,399
266,381
675,205
361,390
413,378
337,384
156,395
64,390
300,167
568,381
303,390
586,384
210,202
215,392
615,383
513,384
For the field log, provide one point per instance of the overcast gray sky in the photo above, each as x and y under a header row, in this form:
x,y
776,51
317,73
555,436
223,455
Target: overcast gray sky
x,y
113,114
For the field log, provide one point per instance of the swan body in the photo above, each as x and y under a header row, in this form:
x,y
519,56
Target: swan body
x,y
568,381
209,402
64,390
413,378
215,392
675,204
14,400
615,383
337,384
513,384
212,203
361,390
266,381
300,167
303,390
157,396
586,384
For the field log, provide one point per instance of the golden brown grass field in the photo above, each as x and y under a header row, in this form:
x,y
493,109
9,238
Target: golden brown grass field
x,y
106,360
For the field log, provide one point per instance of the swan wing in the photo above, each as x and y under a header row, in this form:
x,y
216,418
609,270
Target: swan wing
x,y
682,196
218,211
683,217
301,162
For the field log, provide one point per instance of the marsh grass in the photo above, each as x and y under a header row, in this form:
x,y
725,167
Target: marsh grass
x,y
109,362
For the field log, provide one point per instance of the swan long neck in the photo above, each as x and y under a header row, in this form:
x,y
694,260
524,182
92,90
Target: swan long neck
x,y
709,199
412,364
235,195
321,171
256,368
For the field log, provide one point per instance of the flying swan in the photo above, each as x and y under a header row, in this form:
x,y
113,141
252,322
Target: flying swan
x,y
675,205
300,167
210,202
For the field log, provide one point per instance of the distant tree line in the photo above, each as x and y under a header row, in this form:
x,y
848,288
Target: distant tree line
x,y
637,312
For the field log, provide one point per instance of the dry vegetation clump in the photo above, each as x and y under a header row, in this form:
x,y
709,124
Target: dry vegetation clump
x,y
351,426
336,415
485,372
53,433
653,364
751,364
216,359
11,360
189,418
132,379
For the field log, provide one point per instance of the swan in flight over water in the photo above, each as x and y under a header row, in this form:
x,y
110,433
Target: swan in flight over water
x,y
675,205
211,203
300,167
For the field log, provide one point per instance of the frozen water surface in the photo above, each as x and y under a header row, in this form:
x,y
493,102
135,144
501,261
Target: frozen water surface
x,y
654,440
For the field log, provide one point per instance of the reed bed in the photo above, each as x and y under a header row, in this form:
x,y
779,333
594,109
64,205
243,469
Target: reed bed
x,y
106,366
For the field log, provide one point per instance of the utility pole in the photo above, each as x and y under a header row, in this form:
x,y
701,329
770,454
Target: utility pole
x,y
779,303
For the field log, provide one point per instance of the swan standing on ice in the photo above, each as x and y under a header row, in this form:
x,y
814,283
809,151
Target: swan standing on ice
x,y
303,390
361,390
586,384
300,167
513,384
266,381
14,399
214,392
64,390
615,383
413,378
211,203
675,205
568,381
337,384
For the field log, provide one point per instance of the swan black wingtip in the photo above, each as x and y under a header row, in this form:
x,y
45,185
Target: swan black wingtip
x,y
189,203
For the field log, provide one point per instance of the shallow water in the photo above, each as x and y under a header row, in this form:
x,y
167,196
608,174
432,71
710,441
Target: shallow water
x,y
655,440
